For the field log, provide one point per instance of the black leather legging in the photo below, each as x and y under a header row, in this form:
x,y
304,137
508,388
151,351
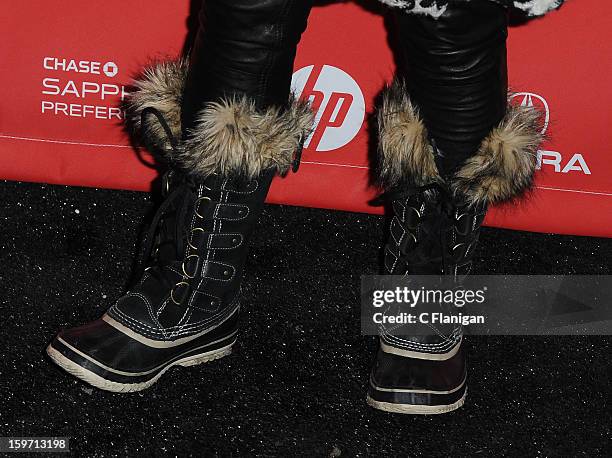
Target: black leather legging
x,y
455,69
244,47
455,66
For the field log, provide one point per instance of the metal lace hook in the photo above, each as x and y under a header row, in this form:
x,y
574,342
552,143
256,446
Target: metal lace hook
x,y
163,123
297,158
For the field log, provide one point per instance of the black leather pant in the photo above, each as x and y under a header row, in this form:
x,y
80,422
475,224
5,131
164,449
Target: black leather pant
x,y
455,66
244,47
455,70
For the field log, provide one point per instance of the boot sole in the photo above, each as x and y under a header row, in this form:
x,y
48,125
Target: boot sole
x,y
412,409
416,401
107,385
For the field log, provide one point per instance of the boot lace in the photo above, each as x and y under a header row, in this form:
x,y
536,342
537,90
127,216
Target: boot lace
x,y
433,240
171,237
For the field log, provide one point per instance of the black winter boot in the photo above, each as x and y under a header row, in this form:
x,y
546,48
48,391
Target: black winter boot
x,y
441,165
434,231
431,233
184,309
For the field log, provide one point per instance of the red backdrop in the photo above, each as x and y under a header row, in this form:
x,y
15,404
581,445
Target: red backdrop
x,y
65,65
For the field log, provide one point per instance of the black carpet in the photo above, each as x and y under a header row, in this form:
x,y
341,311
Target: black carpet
x,y
296,382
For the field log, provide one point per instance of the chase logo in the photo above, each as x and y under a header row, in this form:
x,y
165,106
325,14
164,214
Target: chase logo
x,y
337,101
110,69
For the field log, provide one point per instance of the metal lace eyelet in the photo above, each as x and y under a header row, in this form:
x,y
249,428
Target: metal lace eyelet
x,y
187,260
456,247
403,249
418,217
176,286
470,224
417,211
166,183
197,205
192,236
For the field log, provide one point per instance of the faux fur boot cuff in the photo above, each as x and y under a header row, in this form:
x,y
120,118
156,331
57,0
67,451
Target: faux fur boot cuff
x,y
230,137
502,169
